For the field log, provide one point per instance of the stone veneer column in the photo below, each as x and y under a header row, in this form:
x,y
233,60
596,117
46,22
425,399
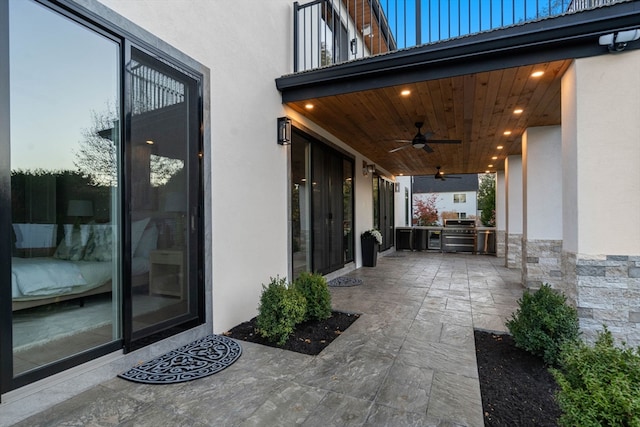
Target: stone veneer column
x,y
601,237
514,251
501,244
542,206
513,190
608,293
542,263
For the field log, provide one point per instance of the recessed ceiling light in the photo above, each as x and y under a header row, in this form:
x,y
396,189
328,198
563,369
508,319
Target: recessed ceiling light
x,y
489,166
309,106
400,174
499,147
537,73
494,158
405,92
150,142
518,111
487,171
507,132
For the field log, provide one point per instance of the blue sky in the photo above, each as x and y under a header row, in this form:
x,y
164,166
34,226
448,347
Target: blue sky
x,y
60,72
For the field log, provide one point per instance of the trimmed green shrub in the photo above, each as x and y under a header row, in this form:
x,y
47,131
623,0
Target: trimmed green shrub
x,y
599,385
316,291
281,309
543,323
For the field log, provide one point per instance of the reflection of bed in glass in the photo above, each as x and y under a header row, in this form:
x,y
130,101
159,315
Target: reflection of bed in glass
x,y
44,280
53,286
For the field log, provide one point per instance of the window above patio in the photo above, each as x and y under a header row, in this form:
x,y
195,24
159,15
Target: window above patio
x,y
330,32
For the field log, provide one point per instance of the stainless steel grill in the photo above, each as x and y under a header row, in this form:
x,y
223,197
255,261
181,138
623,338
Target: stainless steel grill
x,y
459,235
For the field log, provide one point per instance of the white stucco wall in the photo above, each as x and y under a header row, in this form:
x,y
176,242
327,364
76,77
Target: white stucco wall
x,y
249,169
601,154
569,161
404,183
513,187
542,183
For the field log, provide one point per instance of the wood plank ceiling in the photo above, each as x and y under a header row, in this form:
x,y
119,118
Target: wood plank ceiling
x,y
476,109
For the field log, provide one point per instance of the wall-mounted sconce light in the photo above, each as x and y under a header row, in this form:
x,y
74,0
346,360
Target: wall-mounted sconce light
x,y
367,169
353,45
284,130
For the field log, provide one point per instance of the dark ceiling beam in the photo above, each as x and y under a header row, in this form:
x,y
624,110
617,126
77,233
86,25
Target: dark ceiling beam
x,y
568,36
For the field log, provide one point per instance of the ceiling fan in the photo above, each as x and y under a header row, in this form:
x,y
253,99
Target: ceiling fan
x,y
440,175
422,139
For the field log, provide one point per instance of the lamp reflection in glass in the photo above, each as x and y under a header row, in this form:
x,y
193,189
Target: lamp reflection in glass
x,y
175,203
284,130
80,209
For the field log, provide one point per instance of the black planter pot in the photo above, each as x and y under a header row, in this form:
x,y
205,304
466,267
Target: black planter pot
x,y
369,251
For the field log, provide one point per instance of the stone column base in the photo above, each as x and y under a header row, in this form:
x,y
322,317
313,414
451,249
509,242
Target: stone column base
x,y
541,263
606,289
501,243
513,258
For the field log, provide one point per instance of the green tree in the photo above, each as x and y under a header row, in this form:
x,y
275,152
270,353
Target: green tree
x,y
487,199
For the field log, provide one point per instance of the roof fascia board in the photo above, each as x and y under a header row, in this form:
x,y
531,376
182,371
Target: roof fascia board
x,y
567,36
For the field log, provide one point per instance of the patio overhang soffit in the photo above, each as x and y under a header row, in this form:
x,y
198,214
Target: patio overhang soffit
x,y
469,88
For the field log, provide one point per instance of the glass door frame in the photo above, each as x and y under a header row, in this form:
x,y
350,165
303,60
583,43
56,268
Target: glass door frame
x,y
316,143
9,381
196,218
194,279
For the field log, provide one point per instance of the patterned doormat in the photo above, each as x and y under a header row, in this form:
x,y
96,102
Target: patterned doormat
x,y
199,359
344,281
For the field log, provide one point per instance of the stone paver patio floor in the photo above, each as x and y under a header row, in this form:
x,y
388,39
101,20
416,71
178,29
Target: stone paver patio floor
x,y
409,360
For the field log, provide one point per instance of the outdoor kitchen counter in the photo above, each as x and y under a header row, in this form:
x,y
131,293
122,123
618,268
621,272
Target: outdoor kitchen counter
x,y
465,239
486,240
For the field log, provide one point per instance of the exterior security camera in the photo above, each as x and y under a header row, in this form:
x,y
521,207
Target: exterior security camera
x,y
607,39
627,36
617,42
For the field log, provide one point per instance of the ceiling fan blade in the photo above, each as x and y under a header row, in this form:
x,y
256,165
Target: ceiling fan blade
x,y
444,141
427,149
399,148
402,140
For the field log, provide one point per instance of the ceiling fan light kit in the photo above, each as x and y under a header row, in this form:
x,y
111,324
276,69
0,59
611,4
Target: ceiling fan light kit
x,y
440,175
420,140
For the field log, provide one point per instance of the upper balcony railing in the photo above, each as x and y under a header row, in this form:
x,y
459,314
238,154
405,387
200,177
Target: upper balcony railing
x,y
329,32
153,90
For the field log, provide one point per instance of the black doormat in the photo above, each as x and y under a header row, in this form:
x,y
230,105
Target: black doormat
x,y
199,359
344,281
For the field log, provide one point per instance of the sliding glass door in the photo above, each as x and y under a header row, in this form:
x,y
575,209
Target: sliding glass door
x,y
100,191
322,211
383,216
65,207
163,164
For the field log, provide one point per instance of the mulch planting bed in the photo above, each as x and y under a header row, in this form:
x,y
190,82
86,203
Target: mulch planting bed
x,y
516,387
309,337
